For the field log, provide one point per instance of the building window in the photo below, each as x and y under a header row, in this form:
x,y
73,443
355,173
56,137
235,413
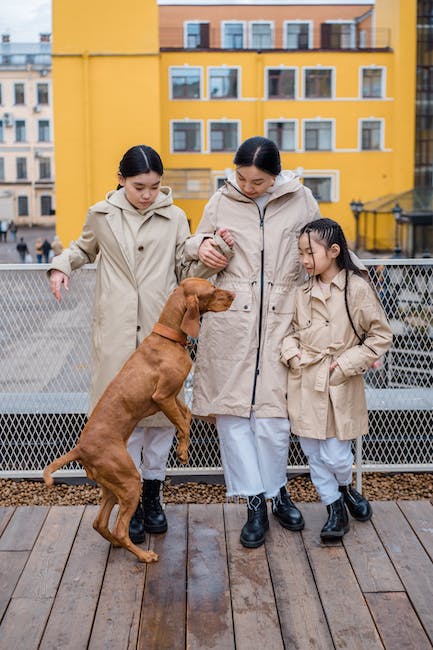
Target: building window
x,y
261,37
46,205
223,83
43,130
19,93
337,36
42,94
233,36
281,83
20,131
318,136
318,83
21,169
283,134
371,135
320,187
372,82
2,135
196,36
186,136
223,136
23,206
296,36
2,169
44,168
185,83
1,95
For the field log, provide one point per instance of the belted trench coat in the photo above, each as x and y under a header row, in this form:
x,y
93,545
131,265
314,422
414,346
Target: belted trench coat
x,y
133,279
237,367
323,405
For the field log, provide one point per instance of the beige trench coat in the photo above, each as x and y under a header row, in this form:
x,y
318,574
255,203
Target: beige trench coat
x,y
321,405
131,285
238,352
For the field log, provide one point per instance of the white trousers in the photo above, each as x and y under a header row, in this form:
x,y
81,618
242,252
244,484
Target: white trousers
x,y
331,462
254,454
149,449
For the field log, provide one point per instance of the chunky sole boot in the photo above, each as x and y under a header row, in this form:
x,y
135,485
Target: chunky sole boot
x,y
137,533
286,512
253,532
154,518
357,505
337,524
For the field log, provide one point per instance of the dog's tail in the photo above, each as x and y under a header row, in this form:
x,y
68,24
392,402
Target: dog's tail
x,y
58,463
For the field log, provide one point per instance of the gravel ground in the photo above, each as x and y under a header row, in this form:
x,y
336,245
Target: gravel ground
x,y
376,487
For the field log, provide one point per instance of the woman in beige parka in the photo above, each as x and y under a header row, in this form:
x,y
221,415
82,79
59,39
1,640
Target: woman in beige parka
x,y
137,237
339,331
238,377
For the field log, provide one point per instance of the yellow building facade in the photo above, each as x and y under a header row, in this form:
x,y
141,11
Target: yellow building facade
x,y
333,85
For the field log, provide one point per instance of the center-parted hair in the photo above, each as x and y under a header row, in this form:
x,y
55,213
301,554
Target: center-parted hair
x,y
140,159
328,232
261,153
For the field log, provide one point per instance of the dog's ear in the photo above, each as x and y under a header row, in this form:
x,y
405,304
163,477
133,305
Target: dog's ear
x,y
191,318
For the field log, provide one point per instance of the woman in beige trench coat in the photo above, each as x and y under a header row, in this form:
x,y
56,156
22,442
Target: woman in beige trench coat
x,y
137,237
238,378
339,330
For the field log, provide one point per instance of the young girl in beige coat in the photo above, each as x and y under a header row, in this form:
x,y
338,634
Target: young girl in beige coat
x,y
339,330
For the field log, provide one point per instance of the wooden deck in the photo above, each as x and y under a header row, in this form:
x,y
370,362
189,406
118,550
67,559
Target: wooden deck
x,y
62,586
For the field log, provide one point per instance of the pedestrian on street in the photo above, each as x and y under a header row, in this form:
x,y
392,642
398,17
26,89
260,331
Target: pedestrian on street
x,y
22,249
46,247
4,227
38,250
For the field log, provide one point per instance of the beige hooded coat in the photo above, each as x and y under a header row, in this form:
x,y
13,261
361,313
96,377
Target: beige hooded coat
x,y
321,405
134,277
237,363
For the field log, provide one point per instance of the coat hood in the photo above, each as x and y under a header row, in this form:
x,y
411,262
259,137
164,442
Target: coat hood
x,y
117,198
285,183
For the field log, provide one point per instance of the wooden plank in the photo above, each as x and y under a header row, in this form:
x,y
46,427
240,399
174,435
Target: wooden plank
x,y
163,614
397,622
71,618
348,616
420,517
410,559
5,515
24,623
302,620
23,528
369,560
255,615
209,615
11,566
44,568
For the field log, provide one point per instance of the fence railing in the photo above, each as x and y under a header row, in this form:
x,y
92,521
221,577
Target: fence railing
x,y
45,352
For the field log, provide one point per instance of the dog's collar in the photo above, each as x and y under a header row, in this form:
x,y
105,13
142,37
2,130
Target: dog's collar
x,y
170,333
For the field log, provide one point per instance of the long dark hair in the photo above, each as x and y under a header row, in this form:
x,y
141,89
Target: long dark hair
x,y
329,232
260,152
140,159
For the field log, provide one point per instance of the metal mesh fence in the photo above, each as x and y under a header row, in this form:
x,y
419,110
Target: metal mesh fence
x,y
45,352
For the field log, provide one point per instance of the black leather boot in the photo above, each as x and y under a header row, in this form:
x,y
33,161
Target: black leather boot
x,y
286,512
338,521
357,505
137,533
155,520
253,533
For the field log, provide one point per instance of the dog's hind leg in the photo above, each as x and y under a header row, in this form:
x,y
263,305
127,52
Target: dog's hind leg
x,y
101,522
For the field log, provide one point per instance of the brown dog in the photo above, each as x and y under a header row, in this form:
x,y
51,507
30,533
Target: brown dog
x,y
148,382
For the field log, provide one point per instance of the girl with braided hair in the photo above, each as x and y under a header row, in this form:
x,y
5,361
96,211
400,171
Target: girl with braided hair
x,y
338,332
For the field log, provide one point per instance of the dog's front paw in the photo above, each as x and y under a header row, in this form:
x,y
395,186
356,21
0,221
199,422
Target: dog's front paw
x,y
148,556
182,455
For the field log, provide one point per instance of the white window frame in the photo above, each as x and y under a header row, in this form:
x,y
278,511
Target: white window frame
x,y
282,68
186,121
185,30
223,121
224,67
285,121
332,174
250,33
319,119
170,81
223,35
382,85
363,120
307,68
310,24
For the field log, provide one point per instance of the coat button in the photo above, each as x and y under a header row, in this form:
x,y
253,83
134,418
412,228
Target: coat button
x,y
141,248
138,328
273,307
245,306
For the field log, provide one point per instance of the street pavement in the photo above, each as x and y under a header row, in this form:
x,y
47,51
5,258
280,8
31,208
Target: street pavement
x,y
8,250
